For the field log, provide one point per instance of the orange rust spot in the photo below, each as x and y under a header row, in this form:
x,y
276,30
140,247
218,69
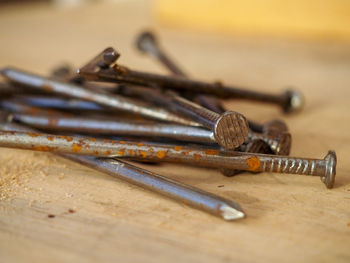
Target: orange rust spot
x,y
32,134
92,139
140,144
43,148
211,152
160,154
53,122
107,152
33,110
130,152
196,157
123,142
76,147
177,148
143,154
50,138
121,152
68,138
95,152
253,163
151,150
47,87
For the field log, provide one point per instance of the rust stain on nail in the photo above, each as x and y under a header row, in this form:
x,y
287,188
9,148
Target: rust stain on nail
x,y
53,122
95,152
196,157
50,138
107,152
130,152
47,87
211,152
121,152
123,142
160,154
32,134
92,139
140,144
151,150
143,154
43,148
68,138
177,148
76,147
253,163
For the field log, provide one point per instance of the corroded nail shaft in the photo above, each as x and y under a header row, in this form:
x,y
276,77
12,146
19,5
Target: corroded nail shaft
x,y
325,168
147,43
289,101
103,98
186,194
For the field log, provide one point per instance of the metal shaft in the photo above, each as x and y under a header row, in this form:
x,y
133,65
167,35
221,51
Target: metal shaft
x,y
115,127
230,129
325,168
147,43
60,103
186,194
103,98
109,71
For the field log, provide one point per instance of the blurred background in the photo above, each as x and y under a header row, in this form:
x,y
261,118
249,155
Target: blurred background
x,y
325,19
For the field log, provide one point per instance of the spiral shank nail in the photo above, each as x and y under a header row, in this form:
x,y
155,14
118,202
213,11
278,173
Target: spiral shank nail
x,y
325,168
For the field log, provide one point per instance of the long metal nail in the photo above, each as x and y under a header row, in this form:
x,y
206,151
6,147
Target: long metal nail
x,y
60,103
13,105
205,157
230,128
110,71
115,127
147,43
100,97
191,196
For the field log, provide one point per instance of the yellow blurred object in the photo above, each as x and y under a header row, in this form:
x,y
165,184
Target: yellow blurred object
x,y
312,18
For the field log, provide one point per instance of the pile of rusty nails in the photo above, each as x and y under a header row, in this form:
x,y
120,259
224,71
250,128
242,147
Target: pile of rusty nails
x,y
158,118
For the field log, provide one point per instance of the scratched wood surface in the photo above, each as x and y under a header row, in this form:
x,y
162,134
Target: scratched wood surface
x,y
54,210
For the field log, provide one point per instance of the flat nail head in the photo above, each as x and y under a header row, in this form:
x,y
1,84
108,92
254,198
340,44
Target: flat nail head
x,y
231,130
284,144
146,42
110,55
295,101
331,163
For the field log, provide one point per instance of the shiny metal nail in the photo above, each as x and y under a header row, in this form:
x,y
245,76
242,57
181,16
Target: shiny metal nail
x,y
115,127
100,97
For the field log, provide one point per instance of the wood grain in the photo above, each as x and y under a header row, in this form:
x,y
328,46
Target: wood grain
x,y
95,218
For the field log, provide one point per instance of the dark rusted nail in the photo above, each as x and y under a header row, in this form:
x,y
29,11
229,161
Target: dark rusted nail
x,y
289,101
102,98
205,157
189,195
147,43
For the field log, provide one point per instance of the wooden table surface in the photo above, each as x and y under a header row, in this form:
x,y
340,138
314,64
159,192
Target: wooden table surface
x,y
96,218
